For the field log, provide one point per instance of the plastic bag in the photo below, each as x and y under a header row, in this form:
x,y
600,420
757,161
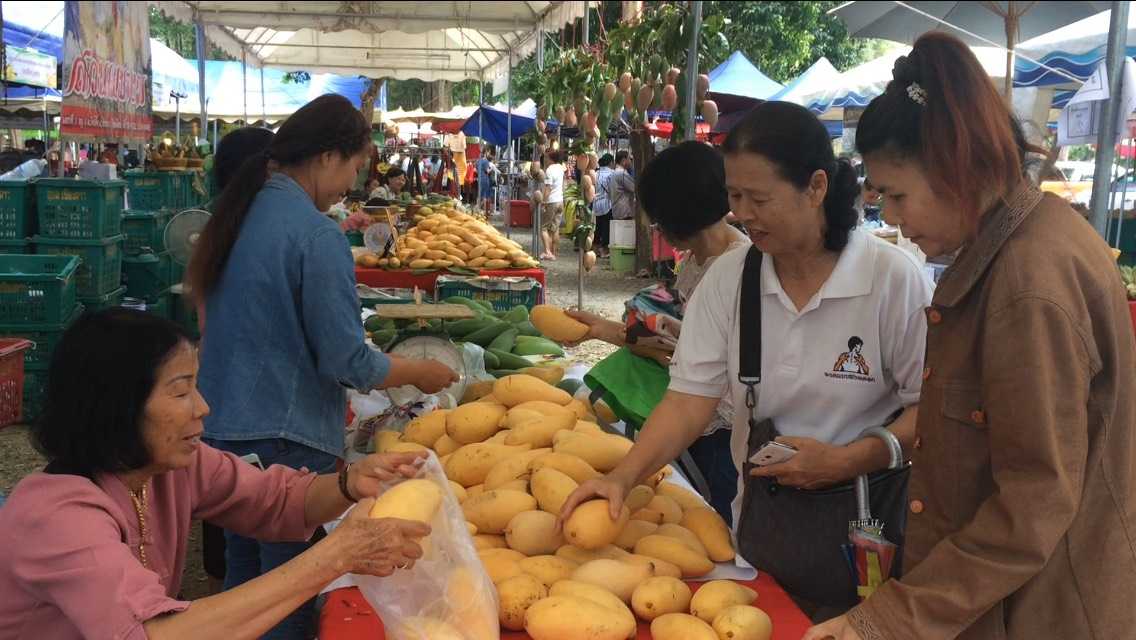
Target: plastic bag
x,y
374,412
447,595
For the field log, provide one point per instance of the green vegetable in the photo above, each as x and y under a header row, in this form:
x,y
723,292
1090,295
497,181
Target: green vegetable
x,y
383,338
373,324
571,385
540,347
517,314
484,336
491,361
474,305
527,330
460,328
505,341
500,373
510,361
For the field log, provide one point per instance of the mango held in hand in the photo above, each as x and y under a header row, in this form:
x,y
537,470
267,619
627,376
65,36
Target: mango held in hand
x,y
415,499
590,526
556,325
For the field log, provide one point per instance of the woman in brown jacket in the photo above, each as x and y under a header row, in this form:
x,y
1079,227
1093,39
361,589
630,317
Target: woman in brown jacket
x,y
1021,521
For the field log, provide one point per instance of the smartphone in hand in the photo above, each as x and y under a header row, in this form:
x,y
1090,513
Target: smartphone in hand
x,y
773,453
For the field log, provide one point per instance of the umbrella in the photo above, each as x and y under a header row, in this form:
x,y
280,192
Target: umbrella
x,y
976,23
1077,50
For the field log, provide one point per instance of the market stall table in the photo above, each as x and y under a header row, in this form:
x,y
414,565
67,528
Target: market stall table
x,y
385,279
347,616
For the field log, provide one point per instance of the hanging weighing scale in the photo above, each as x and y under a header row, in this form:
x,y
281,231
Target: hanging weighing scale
x,y
427,347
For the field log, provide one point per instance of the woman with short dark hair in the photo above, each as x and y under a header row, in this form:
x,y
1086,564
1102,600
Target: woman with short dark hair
x,y
814,280
94,546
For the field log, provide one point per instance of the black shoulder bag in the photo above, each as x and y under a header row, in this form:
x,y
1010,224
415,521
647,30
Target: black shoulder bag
x,y
793,534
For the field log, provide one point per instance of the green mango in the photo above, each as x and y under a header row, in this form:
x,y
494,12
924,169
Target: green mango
x,y
526,329
373,324
505,341
501,373
571,385
538,348
460,328
510,361
484,336
491,361
383,338
517,314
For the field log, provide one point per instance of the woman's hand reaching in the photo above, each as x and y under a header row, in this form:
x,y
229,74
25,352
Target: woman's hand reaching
x,y
376,547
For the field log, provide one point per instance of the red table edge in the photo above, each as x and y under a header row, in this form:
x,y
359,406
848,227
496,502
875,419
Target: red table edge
x,y
346,615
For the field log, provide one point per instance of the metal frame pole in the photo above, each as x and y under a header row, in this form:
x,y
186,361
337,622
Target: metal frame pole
x,y
587,25
509,141
692,69
244,88
200,32
1106,138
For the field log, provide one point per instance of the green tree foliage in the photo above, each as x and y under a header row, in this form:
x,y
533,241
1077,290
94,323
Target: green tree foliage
x,y
785,38
181,37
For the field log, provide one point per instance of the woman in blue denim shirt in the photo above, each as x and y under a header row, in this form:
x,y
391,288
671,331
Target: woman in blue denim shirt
x,y
285,339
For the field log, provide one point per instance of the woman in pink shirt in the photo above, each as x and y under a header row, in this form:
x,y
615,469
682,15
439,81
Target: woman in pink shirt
x,y
94,546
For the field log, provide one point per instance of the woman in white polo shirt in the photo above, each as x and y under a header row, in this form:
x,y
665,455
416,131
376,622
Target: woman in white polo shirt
x,y
842,332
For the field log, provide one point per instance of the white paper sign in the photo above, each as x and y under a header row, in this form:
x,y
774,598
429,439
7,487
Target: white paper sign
x,y
1079,122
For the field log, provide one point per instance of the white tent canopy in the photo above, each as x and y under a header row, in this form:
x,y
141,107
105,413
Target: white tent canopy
x,y
424,40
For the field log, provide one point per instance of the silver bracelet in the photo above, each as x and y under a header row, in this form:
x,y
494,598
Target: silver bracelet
x,y
890,441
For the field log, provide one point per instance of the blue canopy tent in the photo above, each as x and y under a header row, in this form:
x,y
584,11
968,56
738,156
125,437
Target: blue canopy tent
x,y
1077,50
492,125
737,84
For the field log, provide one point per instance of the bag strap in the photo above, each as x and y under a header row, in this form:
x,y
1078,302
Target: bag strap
x,y
749,369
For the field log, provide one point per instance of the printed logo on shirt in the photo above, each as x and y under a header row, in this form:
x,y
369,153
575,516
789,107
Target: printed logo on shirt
x,y
851,364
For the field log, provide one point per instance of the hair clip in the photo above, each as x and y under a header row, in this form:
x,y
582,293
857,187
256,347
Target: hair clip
x,y
917,94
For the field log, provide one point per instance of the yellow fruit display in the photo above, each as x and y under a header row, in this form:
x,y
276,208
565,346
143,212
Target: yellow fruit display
x,y
551,488
517,389
582,411
648,515
583,426
572,466
539,432
590,526
602,597
459,491
492,510
446,445
515,595
692,563
406,447
470,464
471,528
632,532
425,430
423,628
620,578
602,452
470,602
576,554
681,626
549,569
413,499
659,567
715,596
512,468
556,325
384,440
712,532
483,541
658,596
475,391
638,498
455,237
500,564
567,618
672,513
687,537
474,422
534,533
742,622
550,374
684,497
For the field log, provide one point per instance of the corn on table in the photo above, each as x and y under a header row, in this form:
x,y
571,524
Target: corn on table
x,y
347,616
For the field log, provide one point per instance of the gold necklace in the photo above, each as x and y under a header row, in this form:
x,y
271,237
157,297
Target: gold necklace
x,y
139,500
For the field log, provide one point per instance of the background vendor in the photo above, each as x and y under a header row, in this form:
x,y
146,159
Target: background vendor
x,y
94,546
395,183
285,340
822,281
683,192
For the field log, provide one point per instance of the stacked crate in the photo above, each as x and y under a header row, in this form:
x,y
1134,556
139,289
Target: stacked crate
x,y
147,270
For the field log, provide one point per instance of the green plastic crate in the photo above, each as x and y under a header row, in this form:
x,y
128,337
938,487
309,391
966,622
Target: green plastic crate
x,y
37,288
500,294
79,209
155,190
100,270
105,301
35,393
44,337
144,231
17,210
147,276
21,247
191,197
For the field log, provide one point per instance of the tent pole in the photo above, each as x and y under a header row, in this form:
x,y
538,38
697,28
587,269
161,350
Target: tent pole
x,y
692,70
263,104
177,118
244,88
200,32
1106,139
509,138
587,26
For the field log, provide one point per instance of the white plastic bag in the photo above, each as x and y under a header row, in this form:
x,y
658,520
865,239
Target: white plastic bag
x,y
446,595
